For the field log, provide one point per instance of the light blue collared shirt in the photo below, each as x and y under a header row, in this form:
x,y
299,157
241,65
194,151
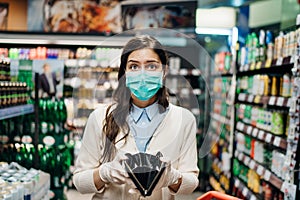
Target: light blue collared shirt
x,y
143,122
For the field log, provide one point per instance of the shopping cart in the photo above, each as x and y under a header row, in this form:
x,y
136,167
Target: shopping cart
x,y
214,195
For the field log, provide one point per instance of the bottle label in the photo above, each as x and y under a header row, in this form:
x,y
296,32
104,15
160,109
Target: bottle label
x,y
48,140
26,139
4,139
44,127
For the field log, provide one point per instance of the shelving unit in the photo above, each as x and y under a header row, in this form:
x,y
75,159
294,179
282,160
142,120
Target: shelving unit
x,y
10,112
258,135
222,83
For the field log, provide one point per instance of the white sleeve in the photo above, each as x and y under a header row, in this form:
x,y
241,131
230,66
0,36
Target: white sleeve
x,y
90,153
188,159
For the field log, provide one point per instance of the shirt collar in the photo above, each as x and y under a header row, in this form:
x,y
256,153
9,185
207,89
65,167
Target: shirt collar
x,y
150,111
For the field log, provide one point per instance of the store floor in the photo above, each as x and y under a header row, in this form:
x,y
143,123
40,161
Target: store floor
x,y
74,195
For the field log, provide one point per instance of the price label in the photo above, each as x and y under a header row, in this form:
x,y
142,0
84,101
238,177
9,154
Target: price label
x,y
252,164
280,101
261,134
255,132
260,170
250,98
268,137
288,104
247,161
238,125
277,141
242,97
293,104
245,191
236,153
240,157
272,100
249,130
267,175
279,61
252,66
292,131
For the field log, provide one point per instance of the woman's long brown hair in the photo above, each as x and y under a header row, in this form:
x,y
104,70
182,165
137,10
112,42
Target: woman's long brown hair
x,y
115,119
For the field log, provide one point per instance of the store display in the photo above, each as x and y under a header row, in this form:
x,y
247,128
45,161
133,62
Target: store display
x,y
18,183
222,116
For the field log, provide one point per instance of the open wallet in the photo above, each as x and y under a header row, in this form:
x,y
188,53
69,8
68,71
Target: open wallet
x,y
144,170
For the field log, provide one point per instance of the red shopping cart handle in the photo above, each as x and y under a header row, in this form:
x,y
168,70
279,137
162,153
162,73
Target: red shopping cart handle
x,y
217,195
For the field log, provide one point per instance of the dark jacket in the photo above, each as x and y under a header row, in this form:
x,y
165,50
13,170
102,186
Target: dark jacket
x,y
44,84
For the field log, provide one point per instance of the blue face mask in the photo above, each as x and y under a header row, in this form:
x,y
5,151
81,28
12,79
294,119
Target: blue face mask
x,y
144,84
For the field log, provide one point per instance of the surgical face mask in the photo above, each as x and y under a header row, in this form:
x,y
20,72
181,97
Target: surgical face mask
x,y
144,84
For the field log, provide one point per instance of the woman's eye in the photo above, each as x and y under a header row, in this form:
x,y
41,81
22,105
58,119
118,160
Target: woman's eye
x,y
133,67
151,67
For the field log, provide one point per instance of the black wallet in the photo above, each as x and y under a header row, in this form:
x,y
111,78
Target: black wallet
x,y
144,170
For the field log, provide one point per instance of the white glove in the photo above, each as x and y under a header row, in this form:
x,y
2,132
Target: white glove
x,y
169,177
113,172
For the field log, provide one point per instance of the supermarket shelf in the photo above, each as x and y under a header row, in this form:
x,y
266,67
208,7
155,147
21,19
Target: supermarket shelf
x,y
185,72
280,65
15,111
245,190
216,75
215,184
262,135
260,170
265,100
218,163
220,118
32,38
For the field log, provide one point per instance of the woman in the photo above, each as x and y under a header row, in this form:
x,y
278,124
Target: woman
x,y
140,120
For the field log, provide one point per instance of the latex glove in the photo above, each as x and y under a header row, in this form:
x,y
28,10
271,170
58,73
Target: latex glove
x,y
169,177
113,172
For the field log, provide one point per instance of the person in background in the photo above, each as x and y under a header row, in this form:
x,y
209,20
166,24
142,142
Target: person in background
x,y
140,119
48,81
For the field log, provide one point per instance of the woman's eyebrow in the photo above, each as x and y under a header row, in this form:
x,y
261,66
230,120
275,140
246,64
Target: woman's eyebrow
x,y
147,61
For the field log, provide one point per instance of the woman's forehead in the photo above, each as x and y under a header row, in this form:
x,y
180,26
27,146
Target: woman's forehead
x,y
142,55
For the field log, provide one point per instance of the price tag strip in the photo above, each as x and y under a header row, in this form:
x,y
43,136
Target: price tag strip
x,y
250,98
272,100
255,132
261,134
267,175
268,137
280,101
249,130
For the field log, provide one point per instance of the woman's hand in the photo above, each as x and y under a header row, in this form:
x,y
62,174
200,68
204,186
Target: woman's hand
x,y
113,172
170,178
